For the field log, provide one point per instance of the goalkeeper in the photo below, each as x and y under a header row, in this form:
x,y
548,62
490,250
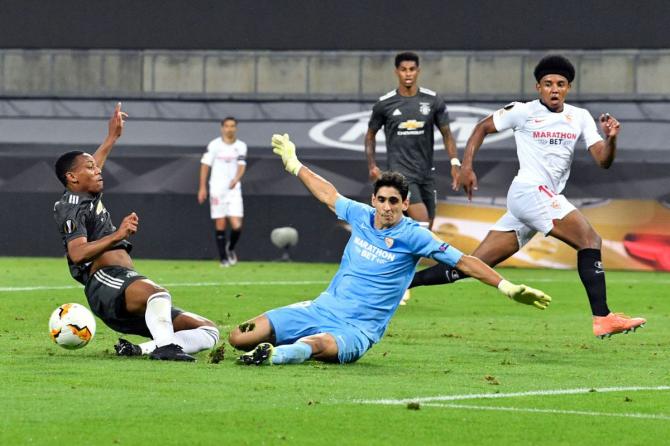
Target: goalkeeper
x,y
378,264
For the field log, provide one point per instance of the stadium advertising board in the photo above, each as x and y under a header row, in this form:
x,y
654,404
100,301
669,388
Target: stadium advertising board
x,y
154,170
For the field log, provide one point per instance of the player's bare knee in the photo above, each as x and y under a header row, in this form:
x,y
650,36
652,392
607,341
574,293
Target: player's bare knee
x,y
158,289
591,240
242,337
207,323
315,343
234,338
320,344
597,241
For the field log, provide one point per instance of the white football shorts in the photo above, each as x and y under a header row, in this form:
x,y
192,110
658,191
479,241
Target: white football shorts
x,y
227,204
532,208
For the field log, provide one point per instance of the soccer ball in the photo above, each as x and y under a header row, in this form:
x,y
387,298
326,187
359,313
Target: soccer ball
x,y
71,326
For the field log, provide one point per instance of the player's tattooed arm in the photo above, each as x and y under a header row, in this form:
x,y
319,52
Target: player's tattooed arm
x,y
450,147
114,131
370,146
80,250
604,152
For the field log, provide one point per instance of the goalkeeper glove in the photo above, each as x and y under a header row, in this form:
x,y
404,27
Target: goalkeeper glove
x,y
282,146
524,294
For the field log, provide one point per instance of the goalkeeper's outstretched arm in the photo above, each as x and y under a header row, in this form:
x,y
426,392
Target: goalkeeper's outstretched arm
x,y
321,188
523,294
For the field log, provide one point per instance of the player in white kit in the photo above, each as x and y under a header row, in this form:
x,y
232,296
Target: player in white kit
x,y
226,158
545,131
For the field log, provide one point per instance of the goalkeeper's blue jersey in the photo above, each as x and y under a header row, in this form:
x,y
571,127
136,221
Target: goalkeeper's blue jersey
x,y
377,267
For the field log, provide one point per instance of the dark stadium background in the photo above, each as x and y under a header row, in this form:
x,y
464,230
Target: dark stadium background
x,y
159,169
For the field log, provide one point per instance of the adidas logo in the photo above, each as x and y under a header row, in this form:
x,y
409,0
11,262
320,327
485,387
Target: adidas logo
x,y
396,112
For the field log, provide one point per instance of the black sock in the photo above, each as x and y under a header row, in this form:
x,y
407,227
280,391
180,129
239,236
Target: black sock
x,y
234,237
591,272
221,244
436,275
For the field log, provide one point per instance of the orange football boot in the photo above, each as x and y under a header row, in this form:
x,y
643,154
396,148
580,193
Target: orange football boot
x,y
614,323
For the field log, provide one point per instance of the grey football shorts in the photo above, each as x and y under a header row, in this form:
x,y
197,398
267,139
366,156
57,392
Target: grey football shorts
x,y
105,292
425,193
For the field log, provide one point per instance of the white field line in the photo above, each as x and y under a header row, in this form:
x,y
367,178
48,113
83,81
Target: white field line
x,y
477,396
552,411
176,285
576,280
301,282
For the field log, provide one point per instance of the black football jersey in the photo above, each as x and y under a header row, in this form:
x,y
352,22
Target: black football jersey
x,y
84,215
409,128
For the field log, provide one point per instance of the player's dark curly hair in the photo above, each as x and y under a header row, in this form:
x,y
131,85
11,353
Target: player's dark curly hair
x,y
64,165
554,64
395,180
228,118
406,56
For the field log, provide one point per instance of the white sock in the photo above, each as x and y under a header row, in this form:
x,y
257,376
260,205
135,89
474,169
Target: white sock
x,y
197,339
147,347
191,341
158,317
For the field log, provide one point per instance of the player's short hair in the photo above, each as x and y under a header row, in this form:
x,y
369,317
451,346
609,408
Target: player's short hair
x,y
228,118
554,64
395,180
406,56
64,165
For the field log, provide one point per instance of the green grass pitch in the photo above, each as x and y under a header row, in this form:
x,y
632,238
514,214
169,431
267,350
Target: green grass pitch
x,y
459,365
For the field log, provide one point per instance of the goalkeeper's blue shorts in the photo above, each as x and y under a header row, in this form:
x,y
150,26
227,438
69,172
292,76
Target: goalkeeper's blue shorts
x,y
302,319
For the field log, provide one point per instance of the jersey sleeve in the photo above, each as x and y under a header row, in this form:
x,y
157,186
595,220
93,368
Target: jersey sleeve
x,y
426,244
441,113
71,221
590,130
242,153
208,156
511,116
377,118
351,211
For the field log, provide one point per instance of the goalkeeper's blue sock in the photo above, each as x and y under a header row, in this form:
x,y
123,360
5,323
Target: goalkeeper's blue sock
x,y
291,354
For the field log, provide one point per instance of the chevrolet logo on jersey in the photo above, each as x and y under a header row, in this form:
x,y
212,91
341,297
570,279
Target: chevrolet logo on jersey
x,y
411,124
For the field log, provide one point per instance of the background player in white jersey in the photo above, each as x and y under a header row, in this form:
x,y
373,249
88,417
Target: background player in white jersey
x,y
408,115
377,265
226,158
546,131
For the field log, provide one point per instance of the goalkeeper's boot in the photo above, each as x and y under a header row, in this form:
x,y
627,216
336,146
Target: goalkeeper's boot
x,y
615,323
171,352
262,354
405,297
127,348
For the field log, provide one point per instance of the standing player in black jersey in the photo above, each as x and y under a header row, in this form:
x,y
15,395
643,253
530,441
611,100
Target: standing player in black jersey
x,y
408,115
98,257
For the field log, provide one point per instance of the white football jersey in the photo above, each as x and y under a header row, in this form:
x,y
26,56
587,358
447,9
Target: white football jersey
x,y
545,141
223,159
